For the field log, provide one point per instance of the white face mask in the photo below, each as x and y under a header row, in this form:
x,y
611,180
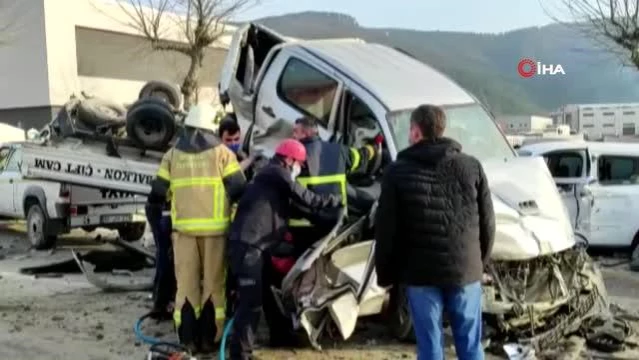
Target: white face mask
x,y
295,171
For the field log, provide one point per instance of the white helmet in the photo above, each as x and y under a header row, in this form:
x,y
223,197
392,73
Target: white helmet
x,y
202,116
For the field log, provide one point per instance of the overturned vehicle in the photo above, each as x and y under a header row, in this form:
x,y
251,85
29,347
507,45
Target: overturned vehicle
x,y
540,284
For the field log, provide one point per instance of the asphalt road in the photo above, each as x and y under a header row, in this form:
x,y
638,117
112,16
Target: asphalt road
x,y
66,318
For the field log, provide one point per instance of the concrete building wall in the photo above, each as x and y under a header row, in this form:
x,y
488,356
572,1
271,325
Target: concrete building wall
x,y
519,124
602,120
87,45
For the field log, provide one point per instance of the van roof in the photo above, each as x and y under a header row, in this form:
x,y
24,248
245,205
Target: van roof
x,y
594,147
398,80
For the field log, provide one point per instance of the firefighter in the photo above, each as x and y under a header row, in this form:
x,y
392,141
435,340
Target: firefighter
x,y
257,233
327,166
204,178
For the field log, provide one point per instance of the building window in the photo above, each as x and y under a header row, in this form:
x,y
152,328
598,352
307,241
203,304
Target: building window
x,y
308,90
588,126
618,170
609,113
628,112
628,129
588,115
608,125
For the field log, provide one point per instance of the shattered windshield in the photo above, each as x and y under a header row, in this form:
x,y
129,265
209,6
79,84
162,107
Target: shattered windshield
x,y
470,125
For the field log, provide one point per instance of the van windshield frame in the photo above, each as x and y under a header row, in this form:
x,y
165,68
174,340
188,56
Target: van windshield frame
x,y
469,124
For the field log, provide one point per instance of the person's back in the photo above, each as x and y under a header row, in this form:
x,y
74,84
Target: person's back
x,y
438,214
434,231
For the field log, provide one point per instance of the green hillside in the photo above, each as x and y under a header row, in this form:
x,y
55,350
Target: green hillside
x,y
486,64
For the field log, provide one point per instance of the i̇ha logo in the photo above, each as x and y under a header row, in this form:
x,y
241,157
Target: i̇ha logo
x,y
528,68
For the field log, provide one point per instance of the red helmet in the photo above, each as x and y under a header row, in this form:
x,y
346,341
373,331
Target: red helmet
x,y
293,149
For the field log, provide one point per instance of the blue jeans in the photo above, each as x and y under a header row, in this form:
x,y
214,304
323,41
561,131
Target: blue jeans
x,y
463,306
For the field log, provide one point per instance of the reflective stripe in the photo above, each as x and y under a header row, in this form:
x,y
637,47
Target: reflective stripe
x,y
220,313
320,180
163,173
177,315
371,151
231,169
356,159
218,220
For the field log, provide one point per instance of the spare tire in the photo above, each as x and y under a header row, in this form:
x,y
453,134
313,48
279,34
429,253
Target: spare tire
x,y
150,123
96,112
162,90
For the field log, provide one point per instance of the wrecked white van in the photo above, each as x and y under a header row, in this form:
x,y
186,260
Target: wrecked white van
x,y
541,285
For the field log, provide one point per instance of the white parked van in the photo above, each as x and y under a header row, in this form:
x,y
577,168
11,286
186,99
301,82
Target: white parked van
x,y
599,182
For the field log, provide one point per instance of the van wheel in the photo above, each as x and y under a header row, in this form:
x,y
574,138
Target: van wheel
x,y
398,319
132,231
37,226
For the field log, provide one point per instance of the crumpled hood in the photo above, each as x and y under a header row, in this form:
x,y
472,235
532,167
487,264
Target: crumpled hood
x,y
531,218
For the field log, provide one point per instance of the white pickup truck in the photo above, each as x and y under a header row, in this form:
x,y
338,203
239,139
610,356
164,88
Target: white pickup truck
x,y
52,206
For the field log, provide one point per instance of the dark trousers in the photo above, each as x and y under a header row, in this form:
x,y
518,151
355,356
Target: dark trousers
x,y
247,265
280,327
164,285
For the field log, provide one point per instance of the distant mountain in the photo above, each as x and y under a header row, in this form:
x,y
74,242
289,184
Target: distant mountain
x,y
486,64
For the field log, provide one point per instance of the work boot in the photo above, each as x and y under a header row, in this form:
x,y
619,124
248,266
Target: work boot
x,y
207,327
187,327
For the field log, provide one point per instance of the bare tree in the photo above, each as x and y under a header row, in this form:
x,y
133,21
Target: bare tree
x,y
200,22
608,22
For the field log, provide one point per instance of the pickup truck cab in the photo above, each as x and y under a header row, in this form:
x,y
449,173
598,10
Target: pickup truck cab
x,y
358,91
52,208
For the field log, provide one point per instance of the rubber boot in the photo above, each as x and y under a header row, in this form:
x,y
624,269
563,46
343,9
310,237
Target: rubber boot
x,y
207,328
187,330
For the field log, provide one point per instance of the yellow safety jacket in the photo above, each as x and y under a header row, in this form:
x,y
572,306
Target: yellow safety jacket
x,y
327,167
199,203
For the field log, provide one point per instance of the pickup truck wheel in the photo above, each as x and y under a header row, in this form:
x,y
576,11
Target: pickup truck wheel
x,y
398,319
37,224
132,231
150,123
162,90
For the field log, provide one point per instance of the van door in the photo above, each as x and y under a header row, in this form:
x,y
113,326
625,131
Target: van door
x,y
249,47
294,87
570,169
6,182
616,200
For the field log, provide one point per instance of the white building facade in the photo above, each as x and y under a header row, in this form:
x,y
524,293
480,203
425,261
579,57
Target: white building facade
x,y
598,121
56,48
521,124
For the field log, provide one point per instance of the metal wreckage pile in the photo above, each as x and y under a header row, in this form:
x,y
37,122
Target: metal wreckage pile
x,y
540,303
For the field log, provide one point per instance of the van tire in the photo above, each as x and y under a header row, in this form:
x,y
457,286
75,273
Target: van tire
x,y
38,226
132,231
150,123
96,112
163,90
399,320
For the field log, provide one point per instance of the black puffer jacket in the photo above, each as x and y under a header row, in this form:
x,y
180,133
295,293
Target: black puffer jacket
x,y
435,222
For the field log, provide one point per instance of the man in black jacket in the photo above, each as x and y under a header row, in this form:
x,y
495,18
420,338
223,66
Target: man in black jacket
x,y
434,232
258,232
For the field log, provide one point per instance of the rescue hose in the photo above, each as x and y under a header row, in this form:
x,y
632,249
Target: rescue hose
x,y
148,339
225,334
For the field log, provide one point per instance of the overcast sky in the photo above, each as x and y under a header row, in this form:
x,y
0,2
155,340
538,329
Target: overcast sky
x,y
453,15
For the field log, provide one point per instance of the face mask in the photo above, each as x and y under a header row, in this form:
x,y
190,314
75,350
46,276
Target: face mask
x,y
296,169
234,147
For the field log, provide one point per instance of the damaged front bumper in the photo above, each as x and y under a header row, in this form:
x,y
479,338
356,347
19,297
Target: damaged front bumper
x,y
536,301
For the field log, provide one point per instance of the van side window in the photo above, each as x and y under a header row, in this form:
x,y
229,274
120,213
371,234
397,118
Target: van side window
x,y
308,90
4,157
618,170
14,160
565,164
